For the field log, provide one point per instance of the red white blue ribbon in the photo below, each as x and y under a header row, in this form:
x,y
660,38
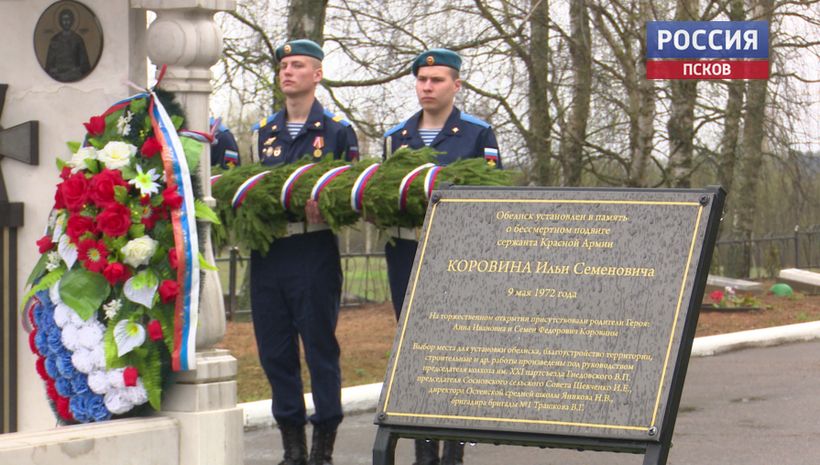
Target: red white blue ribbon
x,y
183,220
491,154
325,179
357,193
214,178
287,187
430,181
245,187
404,187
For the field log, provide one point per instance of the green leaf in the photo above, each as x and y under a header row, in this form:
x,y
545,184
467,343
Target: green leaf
x,y
73,146
193,152
137,105
39,269
48,280
60,164
205,265
92,166
95,143
128,172
177,120
203,212
120,194
84,291
136,230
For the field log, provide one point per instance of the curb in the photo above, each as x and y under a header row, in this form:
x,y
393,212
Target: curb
x,y
364,398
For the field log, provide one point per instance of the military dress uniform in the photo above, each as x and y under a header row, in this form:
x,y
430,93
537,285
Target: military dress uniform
x,y
296,287
463,136
224,150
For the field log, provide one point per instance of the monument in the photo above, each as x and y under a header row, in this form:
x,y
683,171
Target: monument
x,y
550,317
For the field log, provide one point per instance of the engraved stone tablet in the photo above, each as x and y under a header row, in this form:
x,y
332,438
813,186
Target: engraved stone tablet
x,y
68,41
550,311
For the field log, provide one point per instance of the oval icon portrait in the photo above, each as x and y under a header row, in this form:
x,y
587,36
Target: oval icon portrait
x,y
68,41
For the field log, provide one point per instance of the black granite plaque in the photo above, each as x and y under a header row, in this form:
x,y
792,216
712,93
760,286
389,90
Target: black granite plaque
x,y
550,311
68,41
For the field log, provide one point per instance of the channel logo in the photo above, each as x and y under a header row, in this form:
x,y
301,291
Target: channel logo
x,y
707,50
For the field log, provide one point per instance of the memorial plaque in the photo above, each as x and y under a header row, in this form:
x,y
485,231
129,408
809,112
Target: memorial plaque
x,y
68,41
551,311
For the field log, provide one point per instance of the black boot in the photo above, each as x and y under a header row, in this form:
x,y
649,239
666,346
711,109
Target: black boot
x,y
295,445
426,452
453,453
321,447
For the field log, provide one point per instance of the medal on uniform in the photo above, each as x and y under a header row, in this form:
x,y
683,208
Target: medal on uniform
x,y
277,151
318,144
270,141
269,151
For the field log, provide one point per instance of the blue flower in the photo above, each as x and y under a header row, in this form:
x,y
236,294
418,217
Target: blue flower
x,y
40,314
79,408
96,408
51,367
41,342
80,383
63,386
64,365
55,344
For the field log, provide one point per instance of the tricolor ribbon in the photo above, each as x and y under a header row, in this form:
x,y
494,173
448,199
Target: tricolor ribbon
x,y
183,221
491,154
287,187
325,179
430,181
245,187
357,193
199,136
214,178
404,187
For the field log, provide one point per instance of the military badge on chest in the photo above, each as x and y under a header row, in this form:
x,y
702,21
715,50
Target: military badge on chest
x,y
318,145
270,150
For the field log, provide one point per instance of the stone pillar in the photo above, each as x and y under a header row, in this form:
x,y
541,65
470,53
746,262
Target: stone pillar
x,y
185,37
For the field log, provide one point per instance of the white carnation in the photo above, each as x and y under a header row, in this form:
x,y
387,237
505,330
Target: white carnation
x,y
116,402
78,159
62,315
139,251
71,337
91,335
116,154
98,357
115,378
137,395
54,294
82,360
98,382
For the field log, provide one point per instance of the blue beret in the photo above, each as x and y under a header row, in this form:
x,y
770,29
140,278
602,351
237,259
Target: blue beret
x,y
300,47
437,57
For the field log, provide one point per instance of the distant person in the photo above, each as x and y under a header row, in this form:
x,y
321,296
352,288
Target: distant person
x,y
296,287
67,58
224,151
442,126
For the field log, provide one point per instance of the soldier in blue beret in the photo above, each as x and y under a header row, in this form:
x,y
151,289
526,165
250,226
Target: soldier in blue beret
x,y
296,287
442,126
224,150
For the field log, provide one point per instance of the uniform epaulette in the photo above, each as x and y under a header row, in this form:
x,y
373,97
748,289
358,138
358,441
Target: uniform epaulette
x,y
395,128
264,121
472,119
337,119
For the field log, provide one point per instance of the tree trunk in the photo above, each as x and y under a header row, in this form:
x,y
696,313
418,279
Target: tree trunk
x,y
306,20
573,133
752,155
539,117
681,123
642,105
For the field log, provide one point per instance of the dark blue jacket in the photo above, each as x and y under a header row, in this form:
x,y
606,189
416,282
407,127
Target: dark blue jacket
x,y
323,134
224,151
463,136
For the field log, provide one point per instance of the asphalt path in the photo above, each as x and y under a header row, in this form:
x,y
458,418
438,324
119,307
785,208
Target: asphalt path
x,y
758,406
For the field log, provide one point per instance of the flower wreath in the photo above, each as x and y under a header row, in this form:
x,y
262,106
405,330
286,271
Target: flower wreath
x,y
113,299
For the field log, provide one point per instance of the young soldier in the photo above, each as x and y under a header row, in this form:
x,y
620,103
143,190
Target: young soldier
x,y
442,126
296,287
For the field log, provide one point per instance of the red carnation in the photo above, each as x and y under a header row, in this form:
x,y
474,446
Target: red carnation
x,y
40,365
150,147
45,244
63,409
74,191
115,220
171,198
173,260
101,190
716,296
155,330
168,290
51,389
93,254
95,126
129,376
31,343
77,226
116,273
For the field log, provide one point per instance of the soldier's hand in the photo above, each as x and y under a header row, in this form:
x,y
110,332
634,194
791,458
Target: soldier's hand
x,y
312,212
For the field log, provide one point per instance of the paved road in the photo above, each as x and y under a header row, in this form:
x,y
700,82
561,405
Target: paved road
x,y
752,407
